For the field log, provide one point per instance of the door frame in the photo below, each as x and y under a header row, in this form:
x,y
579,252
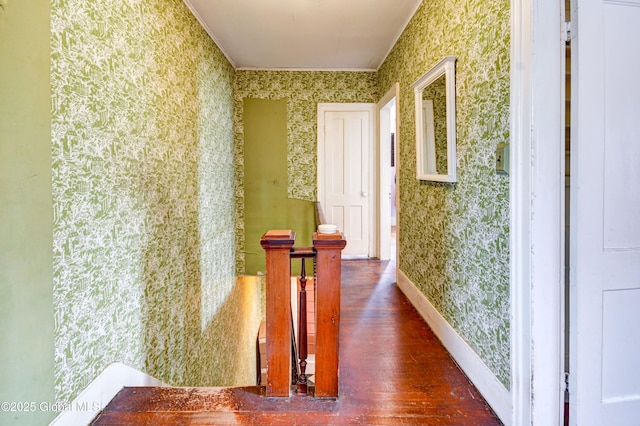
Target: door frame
x,y
537,212
383,225
373,199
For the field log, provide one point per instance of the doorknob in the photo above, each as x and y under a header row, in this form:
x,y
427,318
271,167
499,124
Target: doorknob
x,y
364,194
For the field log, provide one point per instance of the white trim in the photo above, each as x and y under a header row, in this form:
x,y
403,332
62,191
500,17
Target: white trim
x,y
495,393
372,70
520,214
383,226
84,408
204,25
547,221
537,212
371,109
404,27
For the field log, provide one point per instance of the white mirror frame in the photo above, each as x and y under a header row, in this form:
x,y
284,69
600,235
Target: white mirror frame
x,y
425,142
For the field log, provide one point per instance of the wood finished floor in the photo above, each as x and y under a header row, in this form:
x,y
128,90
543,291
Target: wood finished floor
x,y
393,371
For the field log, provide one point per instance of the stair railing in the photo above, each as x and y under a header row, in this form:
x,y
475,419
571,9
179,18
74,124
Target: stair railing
x,y
301,380
326,252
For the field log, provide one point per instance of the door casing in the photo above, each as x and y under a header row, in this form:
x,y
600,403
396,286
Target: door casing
x,y
383,167
537,212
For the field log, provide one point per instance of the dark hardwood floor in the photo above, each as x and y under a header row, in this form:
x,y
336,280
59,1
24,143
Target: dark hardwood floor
x,y
393,371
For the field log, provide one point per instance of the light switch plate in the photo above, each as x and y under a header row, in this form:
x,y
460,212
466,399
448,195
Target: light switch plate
x,y
502,159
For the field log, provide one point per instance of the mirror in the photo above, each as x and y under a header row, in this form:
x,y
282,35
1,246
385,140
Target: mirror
x,y
435,94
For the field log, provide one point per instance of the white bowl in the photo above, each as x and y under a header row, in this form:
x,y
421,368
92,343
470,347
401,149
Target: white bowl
x,y
326,228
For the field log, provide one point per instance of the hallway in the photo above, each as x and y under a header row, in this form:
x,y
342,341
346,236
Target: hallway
x,y
393,371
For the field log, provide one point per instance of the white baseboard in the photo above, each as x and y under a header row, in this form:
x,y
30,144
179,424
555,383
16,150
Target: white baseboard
x,y
495,393
87,405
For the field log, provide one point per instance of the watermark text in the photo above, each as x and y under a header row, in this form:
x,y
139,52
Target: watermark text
x,y
51,407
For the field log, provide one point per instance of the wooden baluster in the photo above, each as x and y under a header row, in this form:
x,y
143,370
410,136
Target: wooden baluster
x,y
328,256
303,336
302,331
277,245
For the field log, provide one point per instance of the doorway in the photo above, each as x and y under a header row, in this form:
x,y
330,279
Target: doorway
x,y
387,173
346,179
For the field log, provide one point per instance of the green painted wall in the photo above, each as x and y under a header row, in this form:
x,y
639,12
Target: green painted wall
x,y
302,90
26,298
267,205
454,238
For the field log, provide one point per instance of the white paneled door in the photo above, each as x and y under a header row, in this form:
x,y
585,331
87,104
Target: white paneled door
x,y
345,178
605,214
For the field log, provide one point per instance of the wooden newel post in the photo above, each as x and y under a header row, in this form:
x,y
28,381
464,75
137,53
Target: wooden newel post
x,y
277,245
328,257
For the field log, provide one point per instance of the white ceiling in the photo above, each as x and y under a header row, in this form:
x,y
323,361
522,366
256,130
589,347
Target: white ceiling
x,y
305,34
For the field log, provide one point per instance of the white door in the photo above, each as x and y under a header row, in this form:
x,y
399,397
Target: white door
x,y
605,214
345,181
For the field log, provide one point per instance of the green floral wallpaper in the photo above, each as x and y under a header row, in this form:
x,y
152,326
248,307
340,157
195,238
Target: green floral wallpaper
x,y
144,199
454,238
303,90
147,151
